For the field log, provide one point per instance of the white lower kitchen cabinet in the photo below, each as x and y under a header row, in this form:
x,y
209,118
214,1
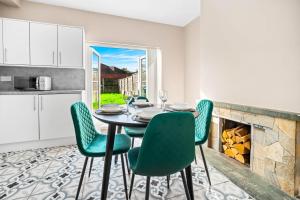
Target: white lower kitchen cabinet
x,y
18,118
55,115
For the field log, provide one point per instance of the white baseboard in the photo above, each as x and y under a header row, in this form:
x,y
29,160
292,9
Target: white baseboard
x,y
36,144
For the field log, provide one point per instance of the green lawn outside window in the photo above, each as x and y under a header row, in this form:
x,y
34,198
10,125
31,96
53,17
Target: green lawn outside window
x,y
110,98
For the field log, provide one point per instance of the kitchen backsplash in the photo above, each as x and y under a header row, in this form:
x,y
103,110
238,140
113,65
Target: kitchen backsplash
x,y
62,78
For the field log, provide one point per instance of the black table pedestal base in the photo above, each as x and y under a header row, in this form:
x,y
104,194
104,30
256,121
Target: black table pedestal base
x,y
108,157
189,179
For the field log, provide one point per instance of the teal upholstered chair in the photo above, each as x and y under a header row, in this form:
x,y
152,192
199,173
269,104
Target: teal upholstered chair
x,y
132,99
168,147
134,132
91,143
204,108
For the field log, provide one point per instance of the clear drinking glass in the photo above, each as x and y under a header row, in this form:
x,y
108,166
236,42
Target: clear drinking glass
x,y
127,100
163,95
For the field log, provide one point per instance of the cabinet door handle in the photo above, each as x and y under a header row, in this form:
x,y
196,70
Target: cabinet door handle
x,y
34,103
60,58
42,103
53,57
5,55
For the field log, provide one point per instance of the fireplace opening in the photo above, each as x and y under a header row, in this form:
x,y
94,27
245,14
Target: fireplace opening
x,y
236,140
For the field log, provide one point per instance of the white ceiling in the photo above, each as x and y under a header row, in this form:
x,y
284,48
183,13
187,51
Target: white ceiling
x,y
173,12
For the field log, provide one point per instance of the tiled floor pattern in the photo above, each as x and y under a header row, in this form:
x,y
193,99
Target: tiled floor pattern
x,y
53,173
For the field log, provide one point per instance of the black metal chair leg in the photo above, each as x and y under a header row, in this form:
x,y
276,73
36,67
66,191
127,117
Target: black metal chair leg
x,y
168,181
116,159
205,165
147,188
124,176
81,177
187,193
127,165
132,143
91,166
131,184
119,130
196,160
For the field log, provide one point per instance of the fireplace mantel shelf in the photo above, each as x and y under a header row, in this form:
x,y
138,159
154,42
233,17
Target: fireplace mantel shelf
x,y
259,111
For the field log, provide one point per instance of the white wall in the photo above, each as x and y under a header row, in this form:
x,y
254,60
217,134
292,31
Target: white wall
x,y
107,28
192,62
250,53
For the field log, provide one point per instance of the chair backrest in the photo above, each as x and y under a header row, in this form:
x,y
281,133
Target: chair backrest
x,y
205,108
84,127
168,145
138,98
142,98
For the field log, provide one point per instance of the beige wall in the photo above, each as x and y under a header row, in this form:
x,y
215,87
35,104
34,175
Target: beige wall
x,y
107,28
250,52
192,62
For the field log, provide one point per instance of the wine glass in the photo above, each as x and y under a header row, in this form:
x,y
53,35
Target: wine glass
x,y
163,95
128,100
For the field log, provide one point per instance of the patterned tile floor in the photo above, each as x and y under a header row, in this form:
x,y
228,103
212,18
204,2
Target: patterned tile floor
x,y
53,173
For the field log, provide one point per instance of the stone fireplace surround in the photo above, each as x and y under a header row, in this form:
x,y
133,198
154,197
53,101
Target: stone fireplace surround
x,y
275,142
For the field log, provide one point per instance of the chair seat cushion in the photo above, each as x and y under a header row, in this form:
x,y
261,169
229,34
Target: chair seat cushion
x,y
133,156
97,147
135,131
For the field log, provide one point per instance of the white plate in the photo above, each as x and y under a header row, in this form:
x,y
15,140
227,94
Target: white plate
x,y
180,107
99,112
149,114
111,109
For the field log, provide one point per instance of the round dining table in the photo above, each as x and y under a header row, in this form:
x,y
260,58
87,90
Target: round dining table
x,y
128,120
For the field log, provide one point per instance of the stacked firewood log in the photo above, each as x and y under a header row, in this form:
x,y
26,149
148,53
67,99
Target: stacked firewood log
x,y
236,143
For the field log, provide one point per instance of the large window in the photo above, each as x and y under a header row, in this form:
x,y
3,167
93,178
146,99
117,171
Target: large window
x,y
117,74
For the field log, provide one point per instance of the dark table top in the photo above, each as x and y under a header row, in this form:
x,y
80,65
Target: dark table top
x,y
120,120
126,119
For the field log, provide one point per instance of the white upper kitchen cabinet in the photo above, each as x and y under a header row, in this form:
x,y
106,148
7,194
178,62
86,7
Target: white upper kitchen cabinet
x,y
43,44
1,43
18,118
70,46
16,42
55,115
